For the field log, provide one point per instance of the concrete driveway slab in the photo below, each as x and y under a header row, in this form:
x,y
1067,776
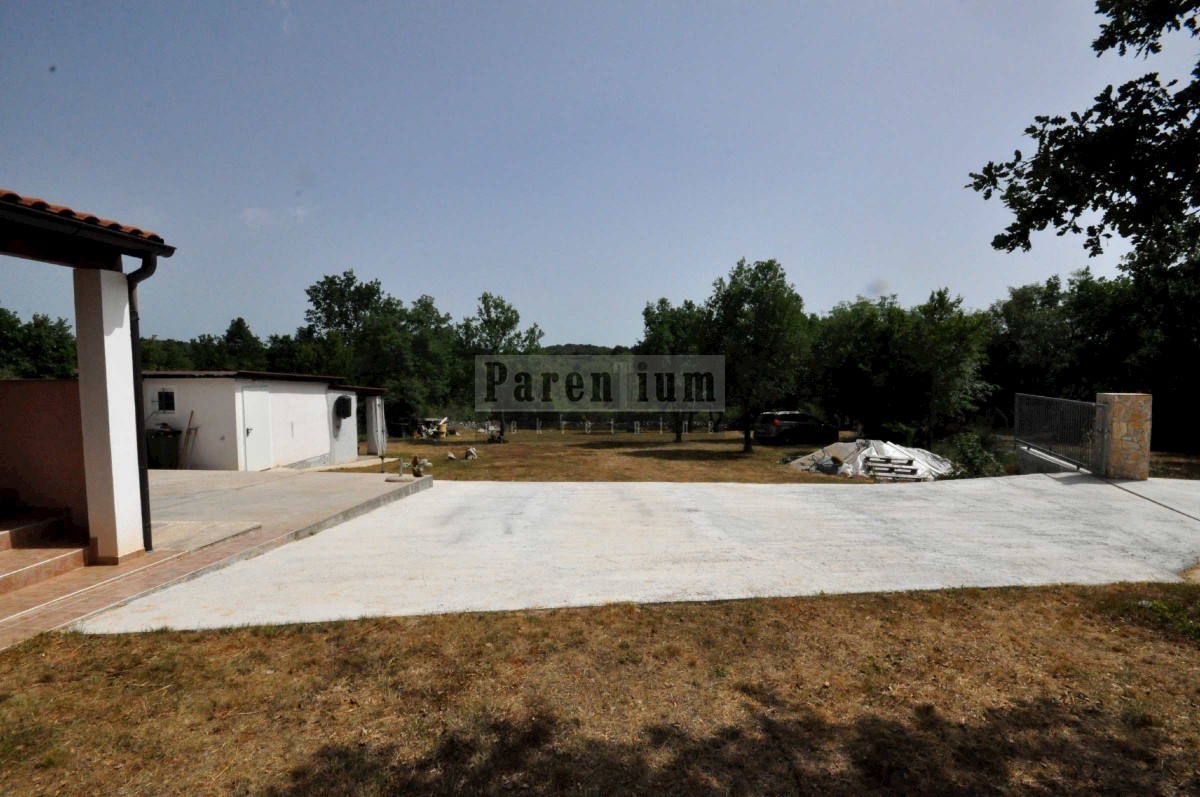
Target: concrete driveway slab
x,y
470,546
1178,494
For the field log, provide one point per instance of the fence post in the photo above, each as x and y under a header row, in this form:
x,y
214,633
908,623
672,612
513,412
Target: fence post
x,y
1127,435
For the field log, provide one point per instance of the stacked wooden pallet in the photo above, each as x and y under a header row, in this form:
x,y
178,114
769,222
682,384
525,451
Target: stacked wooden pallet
x,y
891,469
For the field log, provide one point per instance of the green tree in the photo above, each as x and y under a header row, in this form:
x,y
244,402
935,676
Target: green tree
x,y
428,383
496,329
283,354
669,329
47,349
165,354
242,348
10,344
757,321
208,353
947,346
861,371
1129,165
340,303
1030,342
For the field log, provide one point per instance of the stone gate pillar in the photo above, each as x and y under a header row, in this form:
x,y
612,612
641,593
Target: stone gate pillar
x,y
1127,454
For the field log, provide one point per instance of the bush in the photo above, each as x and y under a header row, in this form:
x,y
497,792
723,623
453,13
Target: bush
x,y
902,434
972,458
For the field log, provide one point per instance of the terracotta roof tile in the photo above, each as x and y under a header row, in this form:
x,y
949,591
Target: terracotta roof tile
x,y
14,198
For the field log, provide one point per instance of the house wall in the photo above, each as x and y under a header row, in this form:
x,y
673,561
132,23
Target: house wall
x,y
41,445
343,432
299,424
213,402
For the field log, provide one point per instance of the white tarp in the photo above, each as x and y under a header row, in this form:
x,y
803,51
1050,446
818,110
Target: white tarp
x,y
928,464
853,456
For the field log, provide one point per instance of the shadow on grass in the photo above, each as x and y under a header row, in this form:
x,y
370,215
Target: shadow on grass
x,y
691,455
1039,747
657,441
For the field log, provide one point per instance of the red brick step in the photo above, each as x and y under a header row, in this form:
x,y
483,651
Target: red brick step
x,y
22,567
31,528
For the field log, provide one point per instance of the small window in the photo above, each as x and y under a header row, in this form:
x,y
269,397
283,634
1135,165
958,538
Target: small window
x,y
166,401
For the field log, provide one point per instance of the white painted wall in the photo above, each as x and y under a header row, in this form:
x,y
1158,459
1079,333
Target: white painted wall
x,y
303,429
109,423
299,425
216,418
342,433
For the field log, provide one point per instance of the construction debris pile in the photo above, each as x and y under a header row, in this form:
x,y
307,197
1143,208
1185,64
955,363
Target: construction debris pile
x,y
875,459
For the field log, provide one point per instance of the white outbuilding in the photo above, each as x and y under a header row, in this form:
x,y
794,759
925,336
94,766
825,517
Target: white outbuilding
x,y
255,420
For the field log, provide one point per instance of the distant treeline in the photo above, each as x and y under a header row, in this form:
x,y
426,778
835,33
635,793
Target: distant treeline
x,y
910,374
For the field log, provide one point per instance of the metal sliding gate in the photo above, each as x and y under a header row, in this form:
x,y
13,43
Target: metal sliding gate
x,y
1073,431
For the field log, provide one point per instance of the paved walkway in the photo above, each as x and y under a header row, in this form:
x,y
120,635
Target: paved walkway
x,y
488,545
203,521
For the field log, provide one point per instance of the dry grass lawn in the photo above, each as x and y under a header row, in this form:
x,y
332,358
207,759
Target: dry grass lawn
x,y
625,457
601,456
1045,691
1165,465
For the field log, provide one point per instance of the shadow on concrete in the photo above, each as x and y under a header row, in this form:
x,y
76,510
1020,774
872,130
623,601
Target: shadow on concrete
x,y
1078,477
1039,747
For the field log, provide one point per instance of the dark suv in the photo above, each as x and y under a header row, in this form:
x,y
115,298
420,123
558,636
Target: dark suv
x,y
793,427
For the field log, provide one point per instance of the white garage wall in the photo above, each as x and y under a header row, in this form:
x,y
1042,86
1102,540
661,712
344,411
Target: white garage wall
x,y
299,423
304,430
214,403
342,433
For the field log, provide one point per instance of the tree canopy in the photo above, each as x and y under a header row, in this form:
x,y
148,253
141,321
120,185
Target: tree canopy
x,y
1129,165
41,348
756,319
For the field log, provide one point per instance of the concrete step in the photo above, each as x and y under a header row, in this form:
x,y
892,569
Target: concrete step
x,y
31,528
23,567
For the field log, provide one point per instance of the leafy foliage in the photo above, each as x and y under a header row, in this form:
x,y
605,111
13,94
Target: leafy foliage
x,y
756,319
1129,165
972,458
243,349
40,348
898,373
496,329
341,303
669,329
1135,332
947,348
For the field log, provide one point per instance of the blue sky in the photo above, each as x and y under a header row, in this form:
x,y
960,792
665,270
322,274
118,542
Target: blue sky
x,y
577,158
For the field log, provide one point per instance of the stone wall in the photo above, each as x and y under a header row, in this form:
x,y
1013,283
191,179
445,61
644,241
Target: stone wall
x,y
1128,445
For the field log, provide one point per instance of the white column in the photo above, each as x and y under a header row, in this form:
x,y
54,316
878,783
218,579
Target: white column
x,y
376,425
106,403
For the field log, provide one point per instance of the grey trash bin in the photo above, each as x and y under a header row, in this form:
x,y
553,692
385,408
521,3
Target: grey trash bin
x,y
162,448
